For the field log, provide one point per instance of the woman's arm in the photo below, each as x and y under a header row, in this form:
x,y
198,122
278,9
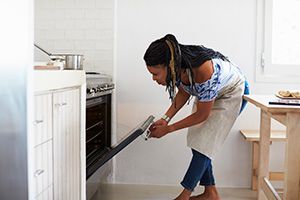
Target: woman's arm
x,y
181,98
202,73
202,113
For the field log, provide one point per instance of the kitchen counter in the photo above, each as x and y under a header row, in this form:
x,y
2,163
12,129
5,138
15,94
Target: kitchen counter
x,y
59,116
45,80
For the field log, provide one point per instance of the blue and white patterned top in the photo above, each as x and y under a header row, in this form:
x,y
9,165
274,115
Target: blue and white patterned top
x,y
223,73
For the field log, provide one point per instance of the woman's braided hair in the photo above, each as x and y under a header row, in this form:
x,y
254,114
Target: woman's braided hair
x,y
168,52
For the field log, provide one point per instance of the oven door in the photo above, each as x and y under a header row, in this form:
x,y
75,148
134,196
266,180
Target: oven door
x,y
114,150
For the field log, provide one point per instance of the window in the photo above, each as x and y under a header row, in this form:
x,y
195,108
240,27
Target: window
x,y
278,41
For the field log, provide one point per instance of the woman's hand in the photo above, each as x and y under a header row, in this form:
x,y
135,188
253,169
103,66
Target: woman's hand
x,y
160,131
159,128
160,122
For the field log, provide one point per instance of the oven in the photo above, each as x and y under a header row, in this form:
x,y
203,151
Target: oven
x,y
98,131
99,148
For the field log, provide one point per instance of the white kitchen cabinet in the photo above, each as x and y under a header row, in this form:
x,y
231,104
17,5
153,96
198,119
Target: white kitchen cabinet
x,y
43,154
57,145
66,140
43,118
58,140
43,168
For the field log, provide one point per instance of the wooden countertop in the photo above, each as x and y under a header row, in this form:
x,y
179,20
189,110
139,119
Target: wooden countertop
x,y
262,101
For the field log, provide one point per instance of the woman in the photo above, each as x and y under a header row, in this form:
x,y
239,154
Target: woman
x,y
218,86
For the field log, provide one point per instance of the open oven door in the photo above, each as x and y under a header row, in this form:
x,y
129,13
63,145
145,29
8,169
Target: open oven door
x,y
114,150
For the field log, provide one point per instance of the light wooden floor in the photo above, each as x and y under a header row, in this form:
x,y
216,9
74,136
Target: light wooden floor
x,y
145,192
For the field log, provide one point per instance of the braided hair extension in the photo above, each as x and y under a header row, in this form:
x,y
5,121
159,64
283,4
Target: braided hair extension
x,y
168,52
174,69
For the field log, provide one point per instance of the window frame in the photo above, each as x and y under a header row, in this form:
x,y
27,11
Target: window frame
x,y
266,71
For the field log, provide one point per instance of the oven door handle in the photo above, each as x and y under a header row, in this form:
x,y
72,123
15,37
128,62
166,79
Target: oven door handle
x,y
125,142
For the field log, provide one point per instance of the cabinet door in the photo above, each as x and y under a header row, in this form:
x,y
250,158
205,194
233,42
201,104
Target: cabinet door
x,y
43,171
42,118
66,140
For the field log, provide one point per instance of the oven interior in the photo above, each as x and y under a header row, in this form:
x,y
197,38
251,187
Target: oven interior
x,y
98,131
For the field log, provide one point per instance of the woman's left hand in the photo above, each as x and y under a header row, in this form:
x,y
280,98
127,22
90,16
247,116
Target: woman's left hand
x,y
160,131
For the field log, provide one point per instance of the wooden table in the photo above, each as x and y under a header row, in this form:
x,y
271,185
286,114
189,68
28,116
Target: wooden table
x,y
290,117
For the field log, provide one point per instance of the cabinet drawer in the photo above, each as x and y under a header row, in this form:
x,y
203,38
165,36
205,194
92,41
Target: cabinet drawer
x,y
42,118
47,194
43,172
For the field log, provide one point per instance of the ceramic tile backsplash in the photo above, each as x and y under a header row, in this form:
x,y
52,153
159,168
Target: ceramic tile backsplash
x,y
77,26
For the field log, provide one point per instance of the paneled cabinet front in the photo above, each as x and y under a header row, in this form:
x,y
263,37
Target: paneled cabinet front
x,y
66,132
43,159
57,145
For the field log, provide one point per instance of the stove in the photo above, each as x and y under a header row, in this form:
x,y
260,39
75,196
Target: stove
x,y
98,119
99,148
98,84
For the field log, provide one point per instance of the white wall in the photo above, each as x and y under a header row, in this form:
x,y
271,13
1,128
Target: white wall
x,y
76,26
227,26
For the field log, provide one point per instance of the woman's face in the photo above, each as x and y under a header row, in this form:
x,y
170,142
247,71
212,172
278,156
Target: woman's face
x,y
159,73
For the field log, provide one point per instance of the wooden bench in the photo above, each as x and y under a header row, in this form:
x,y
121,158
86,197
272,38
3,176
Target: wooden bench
x,y
253,137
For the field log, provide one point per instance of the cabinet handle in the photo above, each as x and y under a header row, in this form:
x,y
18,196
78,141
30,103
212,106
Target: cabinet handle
x,y
61,104
38,121
38,172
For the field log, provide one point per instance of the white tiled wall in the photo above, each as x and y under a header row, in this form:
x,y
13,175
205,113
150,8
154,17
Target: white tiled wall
x,y
76,26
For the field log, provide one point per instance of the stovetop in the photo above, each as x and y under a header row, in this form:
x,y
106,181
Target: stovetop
x,y
98,84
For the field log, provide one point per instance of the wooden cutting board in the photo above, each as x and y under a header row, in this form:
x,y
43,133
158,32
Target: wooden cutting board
x,y
48,67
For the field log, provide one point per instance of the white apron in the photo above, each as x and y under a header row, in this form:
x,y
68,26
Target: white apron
x,y
208,136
